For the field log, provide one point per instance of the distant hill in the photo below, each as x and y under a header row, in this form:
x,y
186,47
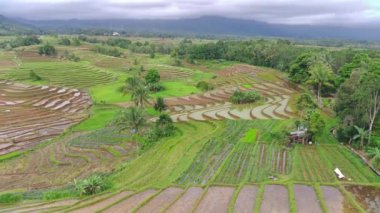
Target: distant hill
x,y
209,25
12,27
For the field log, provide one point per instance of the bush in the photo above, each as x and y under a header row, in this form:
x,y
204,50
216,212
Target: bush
x,y
10,198
64,41
70,56
160,104
47,49
34,76
204,86
152,77
91,185
155,87
107,51
240,97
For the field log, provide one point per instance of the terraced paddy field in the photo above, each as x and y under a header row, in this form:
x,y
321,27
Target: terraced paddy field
x,y
67,74
215,198
223,157
31,114
66,158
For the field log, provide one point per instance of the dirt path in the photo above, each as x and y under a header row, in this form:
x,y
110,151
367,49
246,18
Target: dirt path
x,y
246,199
130,203
216,200
306,199
161,201
333,198
275,199
186,203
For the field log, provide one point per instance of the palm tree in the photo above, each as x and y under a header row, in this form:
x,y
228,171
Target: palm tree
x,y
374,154
132,117
131,84
362,134
140,96
320,74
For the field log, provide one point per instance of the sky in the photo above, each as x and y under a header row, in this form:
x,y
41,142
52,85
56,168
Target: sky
x,y
314,12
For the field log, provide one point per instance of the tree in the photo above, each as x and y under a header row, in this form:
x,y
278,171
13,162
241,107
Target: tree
x,y
374,154
164,126
160,104
47,49
131,84
132,117
298,72
315,124
304,103
320,75
140,96
362,134
370,96
152,77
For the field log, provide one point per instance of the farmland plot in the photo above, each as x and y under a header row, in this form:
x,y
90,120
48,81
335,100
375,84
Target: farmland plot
x,y
213,154
31,114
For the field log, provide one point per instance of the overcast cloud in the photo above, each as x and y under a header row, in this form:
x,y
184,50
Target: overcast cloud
x,y
342,12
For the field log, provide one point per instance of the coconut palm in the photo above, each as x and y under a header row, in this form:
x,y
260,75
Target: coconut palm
x,y
362,134
320,74
131,84
140,96
132,117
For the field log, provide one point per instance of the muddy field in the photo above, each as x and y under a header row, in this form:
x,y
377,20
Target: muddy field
x,y
187,201
217,199
367,196
246,199
306,199
275,199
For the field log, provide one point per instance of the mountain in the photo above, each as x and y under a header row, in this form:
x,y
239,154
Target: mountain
x,y
209,25
12,27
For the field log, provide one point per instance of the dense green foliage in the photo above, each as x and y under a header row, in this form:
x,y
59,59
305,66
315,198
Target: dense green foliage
x,y
92,185
47,49
20,41
243,97
107,51
204,86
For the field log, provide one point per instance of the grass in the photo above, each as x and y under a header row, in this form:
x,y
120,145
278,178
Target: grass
x,y
176,89
10,155
109,93
250,136
100,116
10,198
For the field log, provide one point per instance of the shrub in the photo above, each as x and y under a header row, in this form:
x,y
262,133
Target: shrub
x,y
47,49
160,104
155,87
64,41
34,76
204,86
91,185
152,77
9,198
107,51
240,97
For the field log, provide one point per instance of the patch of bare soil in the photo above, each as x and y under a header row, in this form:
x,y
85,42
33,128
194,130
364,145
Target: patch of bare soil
x,y
246,199
333,198
216,200
161,201
130,203
187,201
368,197
275,199
306,199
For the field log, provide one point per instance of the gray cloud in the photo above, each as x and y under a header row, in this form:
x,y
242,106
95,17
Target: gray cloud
x,y
343,12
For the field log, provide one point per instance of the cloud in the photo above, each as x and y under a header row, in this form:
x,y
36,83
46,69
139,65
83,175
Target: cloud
x,y
342,12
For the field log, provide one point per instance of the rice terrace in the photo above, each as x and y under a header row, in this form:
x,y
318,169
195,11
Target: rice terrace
x,y
105,121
